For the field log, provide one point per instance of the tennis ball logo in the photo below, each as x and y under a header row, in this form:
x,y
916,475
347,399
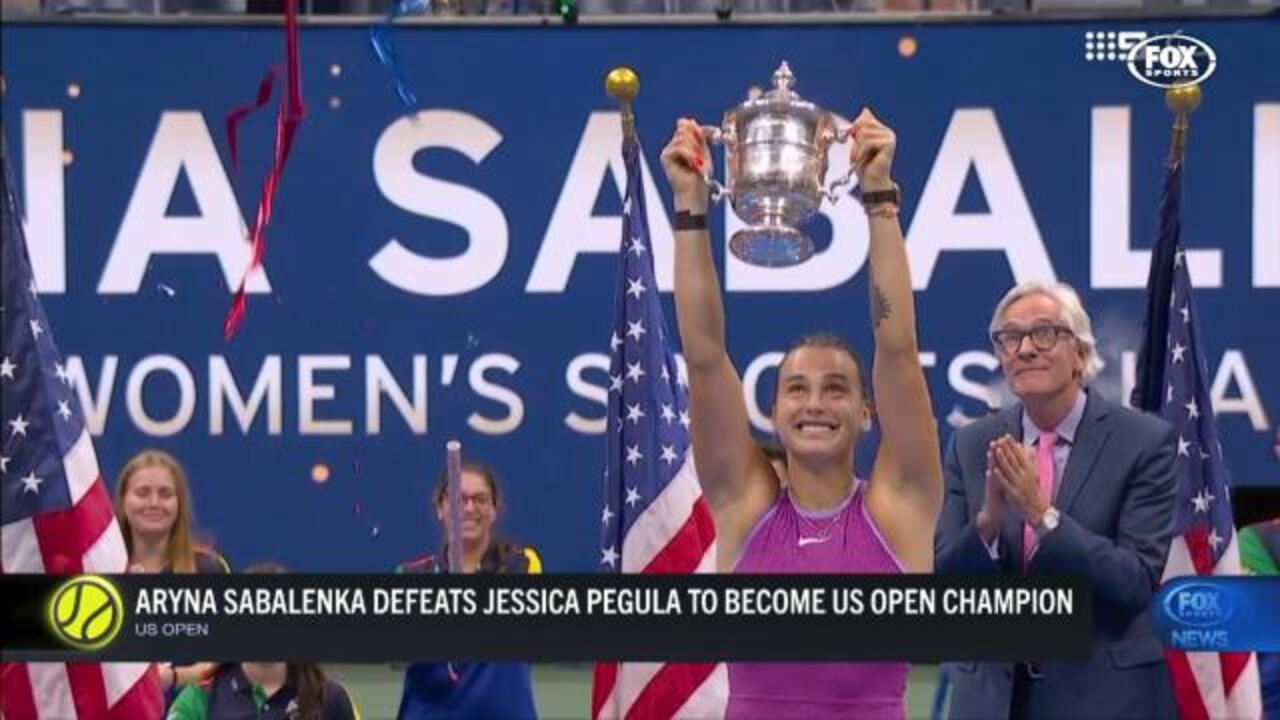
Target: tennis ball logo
x,y
87,612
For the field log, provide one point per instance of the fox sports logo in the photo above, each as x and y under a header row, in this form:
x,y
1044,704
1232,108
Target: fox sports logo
x,y
1168,60
1199,605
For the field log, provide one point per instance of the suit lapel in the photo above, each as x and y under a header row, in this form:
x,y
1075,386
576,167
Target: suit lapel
x,y
1091,437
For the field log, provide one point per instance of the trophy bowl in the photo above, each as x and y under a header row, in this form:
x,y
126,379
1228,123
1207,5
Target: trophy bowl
x,y
777,146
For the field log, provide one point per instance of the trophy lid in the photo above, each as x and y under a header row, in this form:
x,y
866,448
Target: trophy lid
x,y
783,92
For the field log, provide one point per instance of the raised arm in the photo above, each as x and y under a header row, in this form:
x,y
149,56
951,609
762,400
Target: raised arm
x,y
736,479
905,496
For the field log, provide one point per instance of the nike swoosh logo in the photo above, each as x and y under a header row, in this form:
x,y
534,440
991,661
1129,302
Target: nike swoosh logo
x,y
810,540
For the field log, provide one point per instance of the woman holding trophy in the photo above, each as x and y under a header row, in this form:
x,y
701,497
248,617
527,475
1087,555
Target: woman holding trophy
x,y
825,520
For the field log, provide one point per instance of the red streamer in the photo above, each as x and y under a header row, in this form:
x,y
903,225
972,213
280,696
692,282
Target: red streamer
x,y
235,116
288,117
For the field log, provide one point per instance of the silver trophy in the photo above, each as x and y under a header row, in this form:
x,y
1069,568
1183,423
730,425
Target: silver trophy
x,y
777,145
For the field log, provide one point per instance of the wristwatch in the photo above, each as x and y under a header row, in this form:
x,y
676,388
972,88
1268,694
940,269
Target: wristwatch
x,y
1048,521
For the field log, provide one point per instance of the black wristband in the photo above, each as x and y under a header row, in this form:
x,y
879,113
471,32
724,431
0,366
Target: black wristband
x,y
686,220
882,197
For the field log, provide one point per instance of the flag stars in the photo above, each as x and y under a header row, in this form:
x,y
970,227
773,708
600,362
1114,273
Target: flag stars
x,y
1186,312
634,413
684,419
1193,410
636,288
61,371
1214,539
637,247
615,342
1169,396
4,465
1184,447
64,410
666,375
606,516
669,454
1202,500
636,330
634,371
31,483
36,330
1178,350
634,456
1178,257
18,427
668,414
7,368
615,383
633,497
32,288
609,556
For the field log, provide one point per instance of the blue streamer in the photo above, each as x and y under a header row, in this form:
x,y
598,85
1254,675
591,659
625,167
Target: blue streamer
x,y
384,48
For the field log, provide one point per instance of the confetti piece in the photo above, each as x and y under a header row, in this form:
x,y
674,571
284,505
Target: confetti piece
x,y
166,289
288,118
384,48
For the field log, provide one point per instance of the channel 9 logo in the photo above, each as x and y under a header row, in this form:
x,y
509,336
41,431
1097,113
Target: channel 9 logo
x,y
1198,612
1162,61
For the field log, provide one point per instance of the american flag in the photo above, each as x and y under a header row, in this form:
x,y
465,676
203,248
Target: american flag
x,y
655,519
57,514
1207,684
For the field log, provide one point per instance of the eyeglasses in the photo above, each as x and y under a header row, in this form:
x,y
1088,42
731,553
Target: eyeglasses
x,y
480,500
1043,337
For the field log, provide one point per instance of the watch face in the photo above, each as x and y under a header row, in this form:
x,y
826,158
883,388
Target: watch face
x,y
1051,518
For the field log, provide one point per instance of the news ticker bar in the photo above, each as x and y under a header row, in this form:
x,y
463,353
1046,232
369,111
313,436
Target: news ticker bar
x,y
373,618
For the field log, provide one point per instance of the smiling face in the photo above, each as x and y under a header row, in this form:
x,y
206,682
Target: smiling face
x,y
1044,368
151,501
820,410
479,508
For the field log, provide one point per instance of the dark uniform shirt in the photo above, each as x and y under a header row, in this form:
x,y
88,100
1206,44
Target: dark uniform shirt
x,y
436,690
228,695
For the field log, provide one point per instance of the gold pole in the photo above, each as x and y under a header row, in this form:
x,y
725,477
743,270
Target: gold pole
x,y
623,85
1182,100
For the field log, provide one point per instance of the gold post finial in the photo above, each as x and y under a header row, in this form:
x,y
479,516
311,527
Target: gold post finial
x,y
623,85
1182,100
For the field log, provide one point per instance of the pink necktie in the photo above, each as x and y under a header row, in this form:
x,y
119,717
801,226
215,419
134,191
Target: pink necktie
x,y
1044,471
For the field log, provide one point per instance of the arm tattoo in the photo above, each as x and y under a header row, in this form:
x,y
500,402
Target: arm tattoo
x,y
880,307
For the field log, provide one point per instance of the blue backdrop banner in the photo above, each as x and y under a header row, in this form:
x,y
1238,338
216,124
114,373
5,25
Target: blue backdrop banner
x,y
449,273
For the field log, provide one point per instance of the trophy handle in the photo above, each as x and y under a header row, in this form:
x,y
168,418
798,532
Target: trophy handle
x,y
715,136
833,193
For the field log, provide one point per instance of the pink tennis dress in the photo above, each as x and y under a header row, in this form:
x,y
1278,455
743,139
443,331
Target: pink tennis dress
x,y
842,540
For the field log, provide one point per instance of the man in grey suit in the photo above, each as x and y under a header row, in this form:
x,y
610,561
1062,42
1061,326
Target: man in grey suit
x,y
1064,482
